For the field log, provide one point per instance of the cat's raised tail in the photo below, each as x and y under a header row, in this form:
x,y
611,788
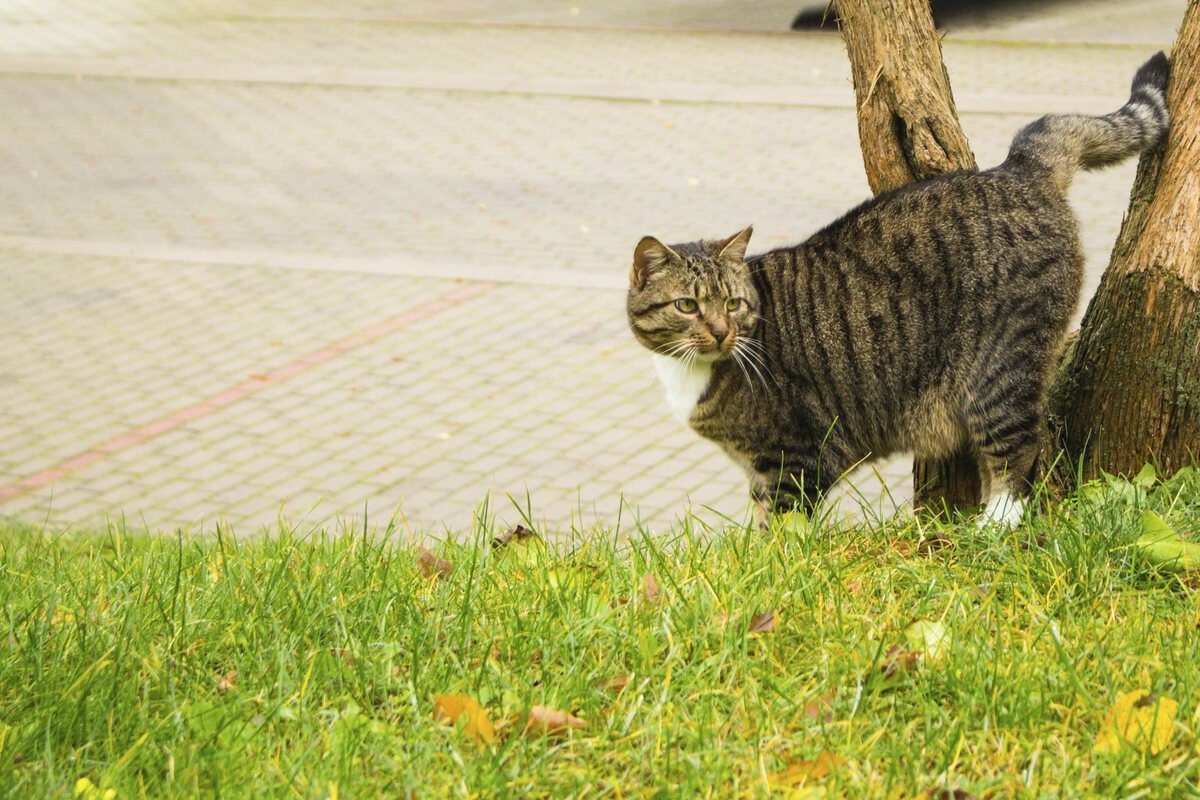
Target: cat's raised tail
x,y
1063,143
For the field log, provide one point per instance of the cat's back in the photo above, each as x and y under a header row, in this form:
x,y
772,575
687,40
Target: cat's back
x,y
964,219
964,235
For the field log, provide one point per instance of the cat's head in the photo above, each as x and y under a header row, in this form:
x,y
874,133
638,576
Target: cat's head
x,y
693,300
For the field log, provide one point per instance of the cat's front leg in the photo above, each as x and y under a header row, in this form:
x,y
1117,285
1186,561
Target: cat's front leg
x,y
772,501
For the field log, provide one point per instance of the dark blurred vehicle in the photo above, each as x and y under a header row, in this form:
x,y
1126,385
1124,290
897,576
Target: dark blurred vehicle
x,y
945,12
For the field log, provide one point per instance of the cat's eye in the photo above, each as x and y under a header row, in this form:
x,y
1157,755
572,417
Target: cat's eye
x,y
687,305
733,304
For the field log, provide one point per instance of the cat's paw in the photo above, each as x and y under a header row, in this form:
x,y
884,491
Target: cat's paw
x,y
1002,511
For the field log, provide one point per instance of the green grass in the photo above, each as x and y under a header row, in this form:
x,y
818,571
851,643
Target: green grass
x,y
120,651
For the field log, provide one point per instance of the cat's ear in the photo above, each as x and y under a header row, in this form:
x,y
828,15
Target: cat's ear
x,y
734,248
649,255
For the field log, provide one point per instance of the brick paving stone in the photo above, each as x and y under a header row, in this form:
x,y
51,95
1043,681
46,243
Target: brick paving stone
x,y
248,191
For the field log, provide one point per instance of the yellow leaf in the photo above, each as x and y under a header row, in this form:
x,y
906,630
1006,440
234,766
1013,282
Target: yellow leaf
x,y
794,523
86,790
798,773
449,707
927,635
1138,720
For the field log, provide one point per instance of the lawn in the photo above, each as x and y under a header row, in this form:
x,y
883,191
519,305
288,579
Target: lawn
x,y
906,659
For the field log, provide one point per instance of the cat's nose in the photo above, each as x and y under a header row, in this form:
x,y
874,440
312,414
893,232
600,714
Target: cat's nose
x,y
719,333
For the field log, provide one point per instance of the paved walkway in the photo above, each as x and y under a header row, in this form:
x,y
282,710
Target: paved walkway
x,y
310,260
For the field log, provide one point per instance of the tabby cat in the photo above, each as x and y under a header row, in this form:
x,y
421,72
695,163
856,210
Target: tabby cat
x,y
923,320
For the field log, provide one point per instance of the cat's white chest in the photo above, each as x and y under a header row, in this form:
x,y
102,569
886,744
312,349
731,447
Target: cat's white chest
x,y
685,383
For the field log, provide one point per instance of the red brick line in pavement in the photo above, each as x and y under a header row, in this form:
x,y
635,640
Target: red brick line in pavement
x,y
242,390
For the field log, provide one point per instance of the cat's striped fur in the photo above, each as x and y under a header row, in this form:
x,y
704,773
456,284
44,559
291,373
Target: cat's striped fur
x,y
924,319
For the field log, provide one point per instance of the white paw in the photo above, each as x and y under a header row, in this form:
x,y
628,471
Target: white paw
x,y
1003,510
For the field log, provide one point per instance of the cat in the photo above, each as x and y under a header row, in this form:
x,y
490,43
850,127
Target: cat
x,y
926,319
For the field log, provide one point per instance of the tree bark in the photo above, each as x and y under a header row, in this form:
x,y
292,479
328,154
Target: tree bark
x,y
1128,391
909,131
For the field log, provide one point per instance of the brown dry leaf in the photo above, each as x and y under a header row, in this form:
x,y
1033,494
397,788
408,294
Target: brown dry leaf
x,y
929,546
854,588
226,681
764,622
430,565
798,773
651,595
899,660
614,684
821,709
950,794
550,722
345,654
449,707
520,532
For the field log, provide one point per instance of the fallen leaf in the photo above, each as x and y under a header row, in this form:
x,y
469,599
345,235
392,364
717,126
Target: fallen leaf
x,y
430,565
448,708
226,681
550,722
521,546
898,660
821,709
763,623
950,794
927,636
519,532
799,773
791,522
1138,720
650,593
614,684
86,790
930,545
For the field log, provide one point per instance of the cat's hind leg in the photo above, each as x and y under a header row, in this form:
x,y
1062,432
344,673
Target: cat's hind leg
x,y
1004,423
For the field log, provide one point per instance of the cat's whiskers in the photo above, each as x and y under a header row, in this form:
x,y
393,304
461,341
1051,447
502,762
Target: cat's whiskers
x,y
674,349
739,359
750,359
753,352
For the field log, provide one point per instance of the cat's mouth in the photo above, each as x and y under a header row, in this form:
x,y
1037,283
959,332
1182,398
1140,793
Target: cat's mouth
x,y
691,350
717,351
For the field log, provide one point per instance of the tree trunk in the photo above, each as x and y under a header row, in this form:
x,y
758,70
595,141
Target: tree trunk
x,y
909,131
1128,391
